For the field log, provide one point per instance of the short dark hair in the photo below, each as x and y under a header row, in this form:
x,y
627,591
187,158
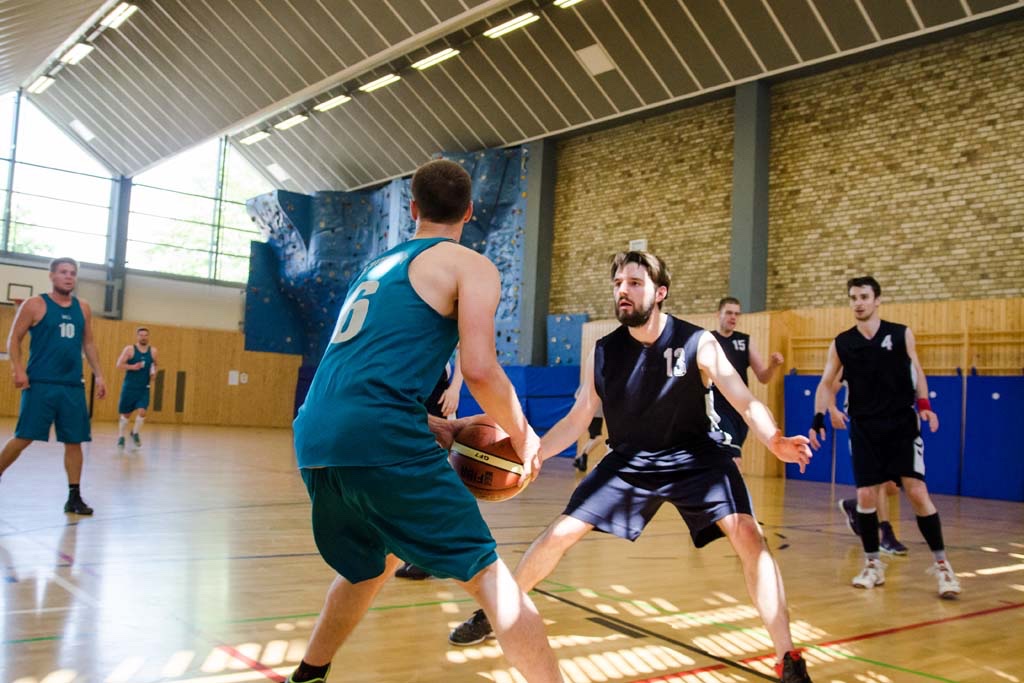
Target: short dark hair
x,y
141,329
442,190
866,281
654,266
728,300
56,263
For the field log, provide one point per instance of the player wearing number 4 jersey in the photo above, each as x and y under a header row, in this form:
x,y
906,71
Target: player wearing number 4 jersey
x,y
59,325
878,361
380,485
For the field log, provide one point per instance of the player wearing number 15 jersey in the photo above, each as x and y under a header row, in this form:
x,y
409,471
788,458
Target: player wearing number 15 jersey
x,y
52,393
381,487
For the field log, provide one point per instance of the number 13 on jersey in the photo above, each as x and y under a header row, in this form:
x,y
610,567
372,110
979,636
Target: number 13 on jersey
x,y
353,312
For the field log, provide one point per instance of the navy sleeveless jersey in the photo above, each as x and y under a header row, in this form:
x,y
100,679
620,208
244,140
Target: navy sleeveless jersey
x,y
654,398
877,371
55,347
138,379
737,350
366,404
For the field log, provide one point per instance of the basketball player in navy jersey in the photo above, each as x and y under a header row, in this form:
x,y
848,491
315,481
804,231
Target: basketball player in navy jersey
x,y
652,377
59,326
878,361
381,487
739,349
138,361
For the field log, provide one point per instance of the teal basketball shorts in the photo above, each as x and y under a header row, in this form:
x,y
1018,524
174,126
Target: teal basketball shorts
x,y
133,399
60,405
418,510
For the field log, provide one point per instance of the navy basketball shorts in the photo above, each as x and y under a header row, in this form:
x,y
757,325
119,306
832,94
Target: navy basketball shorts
x,y
622,503
886,448
418,510
60,405
732,424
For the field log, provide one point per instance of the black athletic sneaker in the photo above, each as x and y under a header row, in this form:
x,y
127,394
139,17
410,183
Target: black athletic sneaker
x,y
848,507
77,506
889,543
580,462
792,668
474,630
411,571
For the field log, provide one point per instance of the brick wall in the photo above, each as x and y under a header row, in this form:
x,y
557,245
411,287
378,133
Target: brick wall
x,y
908,167
666,179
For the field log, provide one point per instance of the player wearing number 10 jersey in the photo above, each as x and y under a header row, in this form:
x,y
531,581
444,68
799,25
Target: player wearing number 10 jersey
x,y
52,393
380,485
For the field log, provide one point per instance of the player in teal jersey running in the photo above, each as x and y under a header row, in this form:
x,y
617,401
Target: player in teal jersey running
x,y
138,360
52,391
380,485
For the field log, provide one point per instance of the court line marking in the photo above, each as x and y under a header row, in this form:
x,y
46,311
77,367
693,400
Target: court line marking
x,y
252,663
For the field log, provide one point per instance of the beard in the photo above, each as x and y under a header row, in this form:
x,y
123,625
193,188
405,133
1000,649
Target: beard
x,y
62,291
635,318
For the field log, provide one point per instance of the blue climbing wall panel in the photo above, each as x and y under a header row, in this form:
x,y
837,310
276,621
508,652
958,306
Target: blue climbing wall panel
x,y
315,245
993,448
565,337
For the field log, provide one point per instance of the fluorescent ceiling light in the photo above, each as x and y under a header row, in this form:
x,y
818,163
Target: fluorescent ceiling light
x,y
566,3
380,82
82,130
509,26
332,103
77,53
255,137
119,15
278,172
289,122
41,84
433,59
595,59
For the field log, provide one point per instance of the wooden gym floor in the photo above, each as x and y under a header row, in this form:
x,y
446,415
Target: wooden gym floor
x,y
199,566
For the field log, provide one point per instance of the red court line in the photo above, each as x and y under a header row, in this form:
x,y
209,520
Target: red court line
x,y
840,641
253,664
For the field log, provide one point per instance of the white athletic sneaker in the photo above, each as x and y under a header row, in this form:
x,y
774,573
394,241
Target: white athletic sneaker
x,y
949,586
873,574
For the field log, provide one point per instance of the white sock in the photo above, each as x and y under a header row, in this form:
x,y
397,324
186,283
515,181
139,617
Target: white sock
x,y
122,422
138,424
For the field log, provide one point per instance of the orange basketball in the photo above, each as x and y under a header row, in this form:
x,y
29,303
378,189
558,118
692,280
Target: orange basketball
x,y
483,457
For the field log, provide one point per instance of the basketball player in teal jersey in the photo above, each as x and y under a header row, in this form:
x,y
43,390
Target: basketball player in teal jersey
x,y
138,360
59,325
380,485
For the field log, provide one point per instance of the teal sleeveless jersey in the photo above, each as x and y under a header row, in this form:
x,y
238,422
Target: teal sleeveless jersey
x,y
55,347
366,405
138,379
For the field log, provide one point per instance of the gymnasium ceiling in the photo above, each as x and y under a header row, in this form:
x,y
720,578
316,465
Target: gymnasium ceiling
x,y
179,72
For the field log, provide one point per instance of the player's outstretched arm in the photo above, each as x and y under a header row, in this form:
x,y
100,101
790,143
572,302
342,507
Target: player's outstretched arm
x,y
92,354
716,366
28,314
478,291
924,404
567,430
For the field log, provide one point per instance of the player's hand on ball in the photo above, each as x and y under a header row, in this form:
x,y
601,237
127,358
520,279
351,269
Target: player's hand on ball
x,y
529,452
792,449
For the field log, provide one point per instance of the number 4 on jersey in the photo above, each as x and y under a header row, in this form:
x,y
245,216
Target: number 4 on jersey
x,y
887,342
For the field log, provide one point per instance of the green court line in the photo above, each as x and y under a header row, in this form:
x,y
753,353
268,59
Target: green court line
x,y
381,608
31,640
875,662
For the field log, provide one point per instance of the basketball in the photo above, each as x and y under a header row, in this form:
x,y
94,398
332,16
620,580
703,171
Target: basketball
x,y
483,457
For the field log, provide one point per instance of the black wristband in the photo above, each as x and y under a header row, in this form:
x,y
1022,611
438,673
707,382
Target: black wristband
x,y
818,423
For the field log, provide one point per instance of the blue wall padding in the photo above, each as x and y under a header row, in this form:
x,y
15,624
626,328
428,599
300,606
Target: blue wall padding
x,y
544,411
565,337
993,447
560,380
322,242
799,410
942,449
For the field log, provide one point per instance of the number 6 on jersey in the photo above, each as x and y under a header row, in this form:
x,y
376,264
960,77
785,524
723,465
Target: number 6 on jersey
x,y
353,312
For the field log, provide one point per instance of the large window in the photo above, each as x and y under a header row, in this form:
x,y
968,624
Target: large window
x,y
188,214
60,197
